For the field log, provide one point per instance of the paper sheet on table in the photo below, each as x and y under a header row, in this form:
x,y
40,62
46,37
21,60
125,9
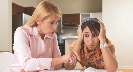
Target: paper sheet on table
x,y
66,71
78,71
75,71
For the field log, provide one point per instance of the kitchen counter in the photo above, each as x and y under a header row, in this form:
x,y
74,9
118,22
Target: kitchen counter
x,y
69,37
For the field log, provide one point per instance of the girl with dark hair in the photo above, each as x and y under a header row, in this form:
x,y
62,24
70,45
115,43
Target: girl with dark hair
x,y
93,48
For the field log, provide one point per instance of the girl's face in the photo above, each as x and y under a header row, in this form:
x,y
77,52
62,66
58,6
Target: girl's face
x,y
90,38
48,26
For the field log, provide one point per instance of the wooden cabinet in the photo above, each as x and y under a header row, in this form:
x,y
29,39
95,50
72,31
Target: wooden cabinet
x,y
17,9
29,10
70,19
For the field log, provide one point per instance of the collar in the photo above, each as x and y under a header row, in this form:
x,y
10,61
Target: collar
x,y
34,31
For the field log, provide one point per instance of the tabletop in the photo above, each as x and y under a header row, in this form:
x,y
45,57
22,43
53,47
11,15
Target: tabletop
x,y
76,70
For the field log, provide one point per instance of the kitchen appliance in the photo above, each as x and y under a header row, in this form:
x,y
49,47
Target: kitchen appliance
x,y
17,21
59,32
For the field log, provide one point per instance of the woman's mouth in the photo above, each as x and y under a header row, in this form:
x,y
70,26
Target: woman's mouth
x,y
90,46
52,32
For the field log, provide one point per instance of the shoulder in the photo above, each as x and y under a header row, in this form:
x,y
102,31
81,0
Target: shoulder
x,y
20,30
25,29
21,33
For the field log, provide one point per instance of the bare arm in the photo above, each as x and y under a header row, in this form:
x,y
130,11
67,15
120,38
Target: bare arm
x,y
77,46
109,58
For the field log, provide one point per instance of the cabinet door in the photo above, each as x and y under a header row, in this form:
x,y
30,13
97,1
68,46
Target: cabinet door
x,y
14,8
20,9
71,19
29,10
75,18
66,19
17,9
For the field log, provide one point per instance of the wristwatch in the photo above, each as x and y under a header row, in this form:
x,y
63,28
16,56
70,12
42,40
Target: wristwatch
x,y
103,45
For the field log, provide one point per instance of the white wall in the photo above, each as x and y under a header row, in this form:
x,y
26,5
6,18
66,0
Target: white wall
x,y
6,21
27,3
97,15
78,6
118,19
6,25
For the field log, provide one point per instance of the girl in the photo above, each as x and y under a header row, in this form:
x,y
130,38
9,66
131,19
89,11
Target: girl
x,y
92,46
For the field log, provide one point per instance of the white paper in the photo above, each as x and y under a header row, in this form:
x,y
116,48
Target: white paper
x,y
66,71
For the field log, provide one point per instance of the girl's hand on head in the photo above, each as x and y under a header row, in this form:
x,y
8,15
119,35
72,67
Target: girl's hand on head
x,y
79,32
102,31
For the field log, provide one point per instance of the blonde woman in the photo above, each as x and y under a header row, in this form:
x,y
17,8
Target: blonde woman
x,y
35,43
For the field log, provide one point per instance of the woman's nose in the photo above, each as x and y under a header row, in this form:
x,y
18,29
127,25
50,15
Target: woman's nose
x,y
55,26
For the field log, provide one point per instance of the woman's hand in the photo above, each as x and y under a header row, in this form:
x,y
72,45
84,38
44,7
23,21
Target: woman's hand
x,y
102,31
70,57
79,32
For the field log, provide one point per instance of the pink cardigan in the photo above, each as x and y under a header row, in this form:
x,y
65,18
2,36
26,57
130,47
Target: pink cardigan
x,y
31,52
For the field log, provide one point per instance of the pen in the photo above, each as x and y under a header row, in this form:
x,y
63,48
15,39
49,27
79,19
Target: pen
x,y
82,64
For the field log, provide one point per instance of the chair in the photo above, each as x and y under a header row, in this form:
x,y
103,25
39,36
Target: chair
x,y
6,59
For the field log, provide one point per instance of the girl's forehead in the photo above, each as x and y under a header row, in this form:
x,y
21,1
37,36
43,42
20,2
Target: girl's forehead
x,y
86,29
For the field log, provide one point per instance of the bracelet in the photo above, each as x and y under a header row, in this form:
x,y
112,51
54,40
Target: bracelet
x,y
103,45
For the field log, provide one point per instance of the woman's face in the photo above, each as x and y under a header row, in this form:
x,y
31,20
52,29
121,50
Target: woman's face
x,y
90,38
48,26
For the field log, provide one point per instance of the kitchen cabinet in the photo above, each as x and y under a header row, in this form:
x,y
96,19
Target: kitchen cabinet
x,y
29,10
73,20
70,19
17,9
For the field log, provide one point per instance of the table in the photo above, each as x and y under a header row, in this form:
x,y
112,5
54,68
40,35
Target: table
x,y
76,70
125,69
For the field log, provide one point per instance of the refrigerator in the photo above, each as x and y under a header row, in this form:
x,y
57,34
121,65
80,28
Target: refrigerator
x,y
17,21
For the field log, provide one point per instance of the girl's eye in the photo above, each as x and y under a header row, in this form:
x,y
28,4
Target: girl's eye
x,y
86,35
94,35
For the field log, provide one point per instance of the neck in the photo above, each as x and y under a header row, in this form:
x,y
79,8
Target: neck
x,y
40,32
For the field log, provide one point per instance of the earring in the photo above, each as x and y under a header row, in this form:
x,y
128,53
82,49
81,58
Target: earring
x,y
37,22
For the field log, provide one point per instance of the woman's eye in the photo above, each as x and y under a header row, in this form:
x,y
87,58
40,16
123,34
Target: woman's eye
x,y
86,35
57,23
51,22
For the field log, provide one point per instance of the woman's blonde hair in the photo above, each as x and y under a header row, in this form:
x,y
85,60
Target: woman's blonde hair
x,y
43,11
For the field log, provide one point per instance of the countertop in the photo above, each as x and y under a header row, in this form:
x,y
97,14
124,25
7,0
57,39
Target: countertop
x,y
69,37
